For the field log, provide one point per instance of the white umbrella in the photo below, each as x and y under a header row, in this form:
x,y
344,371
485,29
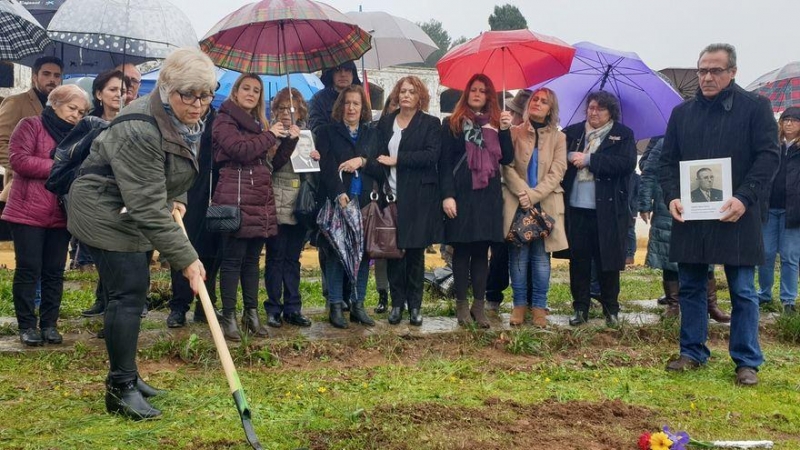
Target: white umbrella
x,y
394,40
148,29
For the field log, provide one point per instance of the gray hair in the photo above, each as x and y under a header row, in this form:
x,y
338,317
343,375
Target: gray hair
x,y
67,93
186,70
721,47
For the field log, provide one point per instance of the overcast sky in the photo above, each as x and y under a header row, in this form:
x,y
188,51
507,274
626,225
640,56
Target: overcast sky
x,y
665,33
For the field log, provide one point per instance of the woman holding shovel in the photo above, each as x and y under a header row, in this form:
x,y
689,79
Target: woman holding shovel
x,y
120,207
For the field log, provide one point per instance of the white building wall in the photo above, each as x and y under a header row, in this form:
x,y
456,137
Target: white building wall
x,y
22,81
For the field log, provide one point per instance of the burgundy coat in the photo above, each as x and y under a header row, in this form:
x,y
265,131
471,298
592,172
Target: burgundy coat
x,y
240,143
29,154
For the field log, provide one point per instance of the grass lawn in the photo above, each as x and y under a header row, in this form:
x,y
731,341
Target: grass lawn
x,y
583,388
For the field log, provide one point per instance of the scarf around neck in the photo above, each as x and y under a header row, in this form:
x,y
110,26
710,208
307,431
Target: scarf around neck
x,y
482,144
56,127
594,137
190,135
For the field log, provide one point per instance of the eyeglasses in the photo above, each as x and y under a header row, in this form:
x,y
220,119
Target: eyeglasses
x,y
134,81
790,120
597,109
190,99
283,108
714,71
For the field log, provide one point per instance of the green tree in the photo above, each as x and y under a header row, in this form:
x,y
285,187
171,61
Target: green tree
x,y
507,17
458,41
433,28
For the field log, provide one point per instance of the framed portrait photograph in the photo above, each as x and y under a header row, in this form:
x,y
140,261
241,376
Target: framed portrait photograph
x,y
301,157
705,186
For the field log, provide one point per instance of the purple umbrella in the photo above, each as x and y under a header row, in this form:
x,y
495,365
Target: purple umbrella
x,y
646,100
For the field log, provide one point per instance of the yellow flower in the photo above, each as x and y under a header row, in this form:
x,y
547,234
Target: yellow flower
x,y
660,441
547,380
322,390
691,405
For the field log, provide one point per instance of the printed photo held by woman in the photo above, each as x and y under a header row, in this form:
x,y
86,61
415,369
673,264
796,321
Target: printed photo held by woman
x,y
38,222
533,180
282,273
409,160
476,141
121,207
344,146
601,156
241,139
782,230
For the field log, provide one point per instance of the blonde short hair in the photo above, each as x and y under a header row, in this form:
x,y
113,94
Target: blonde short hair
x,y
186,70
67,93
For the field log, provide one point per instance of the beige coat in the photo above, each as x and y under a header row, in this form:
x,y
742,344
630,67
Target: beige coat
x,y
548,192
12,110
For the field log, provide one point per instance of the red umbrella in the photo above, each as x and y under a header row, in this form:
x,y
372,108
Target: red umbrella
x,y
512,59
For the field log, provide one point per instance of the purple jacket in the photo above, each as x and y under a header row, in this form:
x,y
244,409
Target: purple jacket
x,y
240,143
29,155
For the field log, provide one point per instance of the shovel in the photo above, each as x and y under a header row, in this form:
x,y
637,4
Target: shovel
x,y
234,383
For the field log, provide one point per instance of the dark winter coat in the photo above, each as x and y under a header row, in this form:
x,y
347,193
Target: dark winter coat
x,y
612,164
240,151
735,124
790,165
479,213
29,202
419,205
335,147
320,106
651,199
198,196
131,211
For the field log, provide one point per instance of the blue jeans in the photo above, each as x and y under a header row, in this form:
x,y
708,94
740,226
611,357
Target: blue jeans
x,y
784,241
334,277
529,261
743,347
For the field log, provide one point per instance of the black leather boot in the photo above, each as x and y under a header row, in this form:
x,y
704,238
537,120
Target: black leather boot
x,y
97,309
251,323
383,301
229,327
415,317
200,313
336,318
126,400
359,315
579,318
396,315
51,335
147,390
31,336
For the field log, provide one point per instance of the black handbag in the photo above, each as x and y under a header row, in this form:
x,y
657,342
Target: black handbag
x,y
225,218
306,206
529,225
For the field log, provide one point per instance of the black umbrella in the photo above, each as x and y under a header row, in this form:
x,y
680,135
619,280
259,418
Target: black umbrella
x,y
20,34
684,80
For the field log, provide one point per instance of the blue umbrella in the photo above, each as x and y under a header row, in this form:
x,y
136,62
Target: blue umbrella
x,y
307,84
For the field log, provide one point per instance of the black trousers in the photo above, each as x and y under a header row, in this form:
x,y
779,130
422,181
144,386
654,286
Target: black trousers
x,y
239,262
40,253
182,295
126,279
584,243
470,263
498,279
406,277
282,273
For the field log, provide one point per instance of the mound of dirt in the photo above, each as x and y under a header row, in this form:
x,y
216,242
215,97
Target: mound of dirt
x,y
497,425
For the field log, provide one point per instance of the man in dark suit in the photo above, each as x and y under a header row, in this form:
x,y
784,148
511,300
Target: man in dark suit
x,y
705,191
301,159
